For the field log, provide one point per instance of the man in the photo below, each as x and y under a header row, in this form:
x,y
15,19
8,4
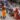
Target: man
x,y
3,11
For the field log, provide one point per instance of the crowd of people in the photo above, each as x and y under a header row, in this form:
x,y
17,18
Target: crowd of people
x,y
12,12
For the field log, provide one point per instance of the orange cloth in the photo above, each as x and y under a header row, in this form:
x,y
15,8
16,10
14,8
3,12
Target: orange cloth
x,y
15,14
4,13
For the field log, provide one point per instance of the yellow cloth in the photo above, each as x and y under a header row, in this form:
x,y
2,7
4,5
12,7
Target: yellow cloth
x,y
4,13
